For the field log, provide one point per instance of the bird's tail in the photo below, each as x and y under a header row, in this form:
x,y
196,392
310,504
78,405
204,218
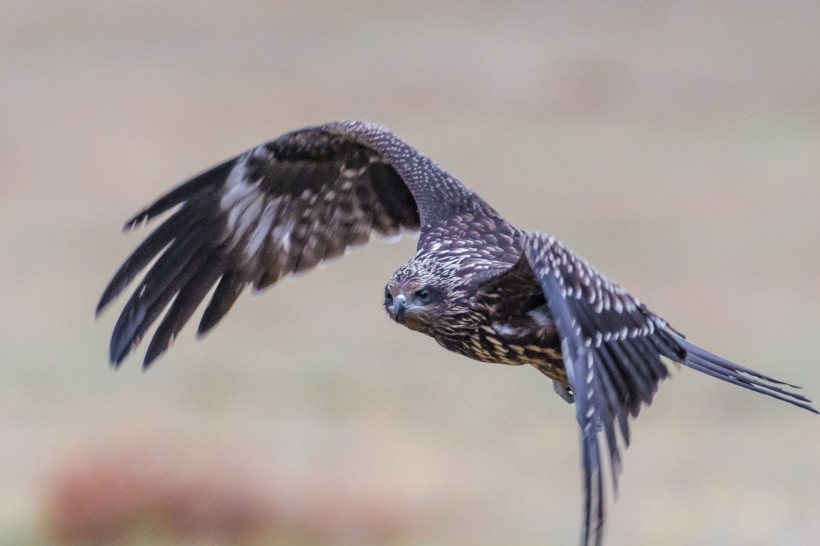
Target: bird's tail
x,y
716,366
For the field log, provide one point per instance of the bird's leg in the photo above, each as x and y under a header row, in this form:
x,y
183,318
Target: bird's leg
x,y
561,388
563,391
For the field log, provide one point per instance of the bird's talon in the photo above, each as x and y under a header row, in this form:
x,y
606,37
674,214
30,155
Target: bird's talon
x,y
563,391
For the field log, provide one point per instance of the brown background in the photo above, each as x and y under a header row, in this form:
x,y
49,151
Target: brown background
x,y
677,146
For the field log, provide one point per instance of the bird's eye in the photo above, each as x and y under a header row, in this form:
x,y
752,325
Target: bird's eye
x,y
423,294
388,297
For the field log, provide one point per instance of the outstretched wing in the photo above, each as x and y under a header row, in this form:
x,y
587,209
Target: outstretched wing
x,y
612,346
282,207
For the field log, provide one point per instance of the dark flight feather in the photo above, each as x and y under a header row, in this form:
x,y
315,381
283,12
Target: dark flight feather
x,y
196,187
227,291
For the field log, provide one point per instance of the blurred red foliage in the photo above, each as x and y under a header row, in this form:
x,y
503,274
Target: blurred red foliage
x,y
138,495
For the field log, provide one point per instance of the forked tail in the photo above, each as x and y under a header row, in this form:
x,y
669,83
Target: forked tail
x,y
716,366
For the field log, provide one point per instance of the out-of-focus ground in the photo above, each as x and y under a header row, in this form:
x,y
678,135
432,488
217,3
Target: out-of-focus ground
x,y
676,145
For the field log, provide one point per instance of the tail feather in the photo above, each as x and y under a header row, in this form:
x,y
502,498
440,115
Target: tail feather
x,y
716,366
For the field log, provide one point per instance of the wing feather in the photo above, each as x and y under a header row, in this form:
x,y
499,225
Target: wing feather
x,y
282,207
183,306
149,300
154,244
225,295
193,188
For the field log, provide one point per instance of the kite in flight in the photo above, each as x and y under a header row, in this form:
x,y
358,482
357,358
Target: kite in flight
x,y
477,285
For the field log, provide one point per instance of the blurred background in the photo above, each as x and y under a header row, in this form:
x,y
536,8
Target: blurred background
x,y
675,145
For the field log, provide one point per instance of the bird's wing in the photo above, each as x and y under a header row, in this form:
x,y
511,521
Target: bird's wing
x,y
279,208
612,346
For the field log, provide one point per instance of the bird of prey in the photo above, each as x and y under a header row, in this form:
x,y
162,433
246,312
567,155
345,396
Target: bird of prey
x,y
477,284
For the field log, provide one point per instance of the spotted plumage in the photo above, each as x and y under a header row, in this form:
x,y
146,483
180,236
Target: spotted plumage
x,y
479,286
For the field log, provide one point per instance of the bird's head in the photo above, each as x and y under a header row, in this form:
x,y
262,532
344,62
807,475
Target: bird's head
x,y
417,298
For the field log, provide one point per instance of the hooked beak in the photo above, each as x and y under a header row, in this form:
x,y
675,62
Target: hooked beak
x,y
399,308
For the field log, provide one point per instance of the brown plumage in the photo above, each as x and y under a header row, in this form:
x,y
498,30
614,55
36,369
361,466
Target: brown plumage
x,y
477,285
